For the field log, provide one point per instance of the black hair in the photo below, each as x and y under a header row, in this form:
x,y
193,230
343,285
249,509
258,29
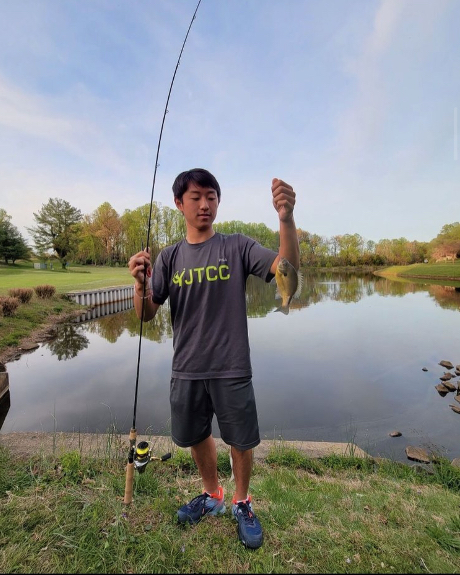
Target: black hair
x,y
199,176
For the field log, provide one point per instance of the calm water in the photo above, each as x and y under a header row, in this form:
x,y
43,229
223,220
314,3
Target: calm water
x,y
345,364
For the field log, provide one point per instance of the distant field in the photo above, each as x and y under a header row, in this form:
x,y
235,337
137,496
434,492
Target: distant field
x,y
442,271
24,275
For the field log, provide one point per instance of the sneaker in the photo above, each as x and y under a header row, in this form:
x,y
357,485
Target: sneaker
x,y
249,528
204,504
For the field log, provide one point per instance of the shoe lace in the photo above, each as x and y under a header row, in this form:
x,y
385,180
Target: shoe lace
x,y
248,515
196,502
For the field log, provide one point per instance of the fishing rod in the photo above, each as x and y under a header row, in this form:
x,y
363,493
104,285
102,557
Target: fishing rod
x,y
139,457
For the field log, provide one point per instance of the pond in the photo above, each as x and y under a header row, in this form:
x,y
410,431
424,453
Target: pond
x,y
345,365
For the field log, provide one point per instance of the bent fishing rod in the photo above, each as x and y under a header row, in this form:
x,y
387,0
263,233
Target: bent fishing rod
x,y
139,457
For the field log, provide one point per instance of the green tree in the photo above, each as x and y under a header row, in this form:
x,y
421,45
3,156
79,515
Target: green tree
x,y
12,245
56,228
350,248
108,227
174,228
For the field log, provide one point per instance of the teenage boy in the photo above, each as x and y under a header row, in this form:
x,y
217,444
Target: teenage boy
x,y
204,276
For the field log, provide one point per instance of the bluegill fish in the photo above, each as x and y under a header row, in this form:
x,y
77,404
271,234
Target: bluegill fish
x,y
288,283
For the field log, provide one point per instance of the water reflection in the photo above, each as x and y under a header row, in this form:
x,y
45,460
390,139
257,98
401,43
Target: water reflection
x,y
317,288
345,363
105,309
348,287
68,342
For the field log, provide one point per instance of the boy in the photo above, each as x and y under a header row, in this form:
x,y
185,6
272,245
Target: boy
x,y
204,276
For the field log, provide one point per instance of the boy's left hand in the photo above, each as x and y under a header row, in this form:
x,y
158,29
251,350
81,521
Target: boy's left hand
x,y
283,199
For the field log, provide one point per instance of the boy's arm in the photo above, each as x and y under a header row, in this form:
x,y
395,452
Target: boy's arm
x,y
284,201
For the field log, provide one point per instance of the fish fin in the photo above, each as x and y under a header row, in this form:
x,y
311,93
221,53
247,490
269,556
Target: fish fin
x,y
299,284
283,309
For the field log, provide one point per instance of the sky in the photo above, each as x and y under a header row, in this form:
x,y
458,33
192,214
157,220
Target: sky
x,y
355,104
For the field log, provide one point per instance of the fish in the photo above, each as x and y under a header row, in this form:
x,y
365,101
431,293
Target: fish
x,y
288,283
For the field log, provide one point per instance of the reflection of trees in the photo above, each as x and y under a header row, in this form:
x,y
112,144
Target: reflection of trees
x,y
110,327
158,330
68,342
348,287
446,296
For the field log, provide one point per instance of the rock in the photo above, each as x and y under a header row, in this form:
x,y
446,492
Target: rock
x,y
29,346
455,408
417,454
450,386
456,462
395,434
457,367
446,377
457,371
442,389
457,398
424,369
446,364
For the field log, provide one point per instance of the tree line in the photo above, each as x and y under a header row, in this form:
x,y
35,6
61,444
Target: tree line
x,y
105,237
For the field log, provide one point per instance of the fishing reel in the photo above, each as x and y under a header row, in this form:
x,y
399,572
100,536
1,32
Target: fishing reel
x,y
143,456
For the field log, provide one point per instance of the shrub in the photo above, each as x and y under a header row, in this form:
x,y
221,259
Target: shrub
x,y
45,291
8,305
24,295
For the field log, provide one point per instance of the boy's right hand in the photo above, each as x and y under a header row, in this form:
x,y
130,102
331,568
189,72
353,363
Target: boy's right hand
x,y
139,266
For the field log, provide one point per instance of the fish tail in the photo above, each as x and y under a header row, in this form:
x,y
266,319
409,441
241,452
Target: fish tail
x,y
283,309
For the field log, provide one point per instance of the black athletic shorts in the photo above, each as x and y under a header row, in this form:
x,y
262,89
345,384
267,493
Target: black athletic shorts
x,y
194,402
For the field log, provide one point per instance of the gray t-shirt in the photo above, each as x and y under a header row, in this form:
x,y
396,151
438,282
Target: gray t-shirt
x,y
206,286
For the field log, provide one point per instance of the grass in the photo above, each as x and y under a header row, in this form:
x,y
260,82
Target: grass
x,y
32,316
428,271
23,275
64,513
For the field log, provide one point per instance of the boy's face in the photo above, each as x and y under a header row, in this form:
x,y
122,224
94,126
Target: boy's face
x,y
199,206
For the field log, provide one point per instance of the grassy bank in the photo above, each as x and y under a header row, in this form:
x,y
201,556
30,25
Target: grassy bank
x,y
40,314
34,316
65,514
425,271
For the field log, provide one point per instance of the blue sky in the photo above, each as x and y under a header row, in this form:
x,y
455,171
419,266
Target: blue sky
x,y
354,103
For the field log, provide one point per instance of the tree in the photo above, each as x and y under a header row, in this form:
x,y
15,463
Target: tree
x,y
135,224
108,228
56,228
12,245
446,245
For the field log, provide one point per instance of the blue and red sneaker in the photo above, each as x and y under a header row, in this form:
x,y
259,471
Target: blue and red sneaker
x,y
249,528
199,507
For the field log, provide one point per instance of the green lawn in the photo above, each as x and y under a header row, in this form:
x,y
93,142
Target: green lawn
x,y
434,271
23,275
64,514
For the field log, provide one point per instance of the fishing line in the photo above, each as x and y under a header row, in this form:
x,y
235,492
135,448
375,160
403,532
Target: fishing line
x,y
151,207
133,433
